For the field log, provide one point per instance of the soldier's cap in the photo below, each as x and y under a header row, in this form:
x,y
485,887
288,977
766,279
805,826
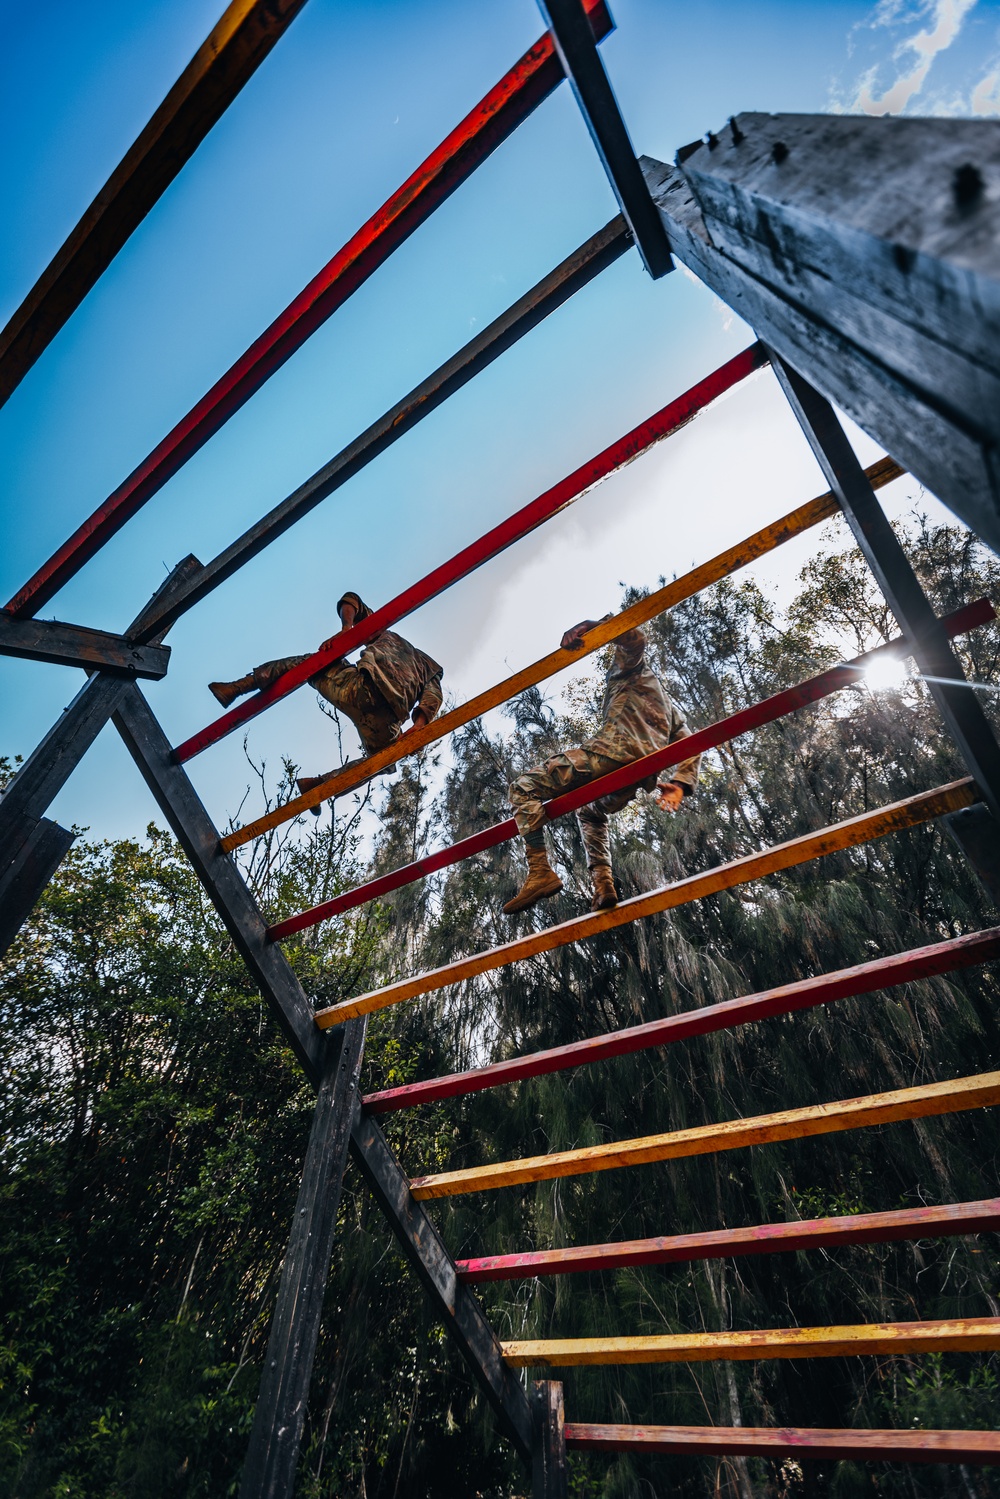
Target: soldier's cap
x,y
362,610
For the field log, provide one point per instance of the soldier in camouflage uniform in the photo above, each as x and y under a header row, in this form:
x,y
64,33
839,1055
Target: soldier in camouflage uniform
x,y
391,681
638,718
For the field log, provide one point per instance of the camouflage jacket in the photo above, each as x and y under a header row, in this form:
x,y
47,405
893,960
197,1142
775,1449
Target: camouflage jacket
x,y
405,676
639,717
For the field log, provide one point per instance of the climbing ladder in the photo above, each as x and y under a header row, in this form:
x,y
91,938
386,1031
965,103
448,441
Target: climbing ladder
x,y
864,254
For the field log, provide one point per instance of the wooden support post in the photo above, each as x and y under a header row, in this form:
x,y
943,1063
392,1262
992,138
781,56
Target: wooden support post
x,y
548,1453
581,62
959,707
977,834
273,1454
224,885
456,1305
26,872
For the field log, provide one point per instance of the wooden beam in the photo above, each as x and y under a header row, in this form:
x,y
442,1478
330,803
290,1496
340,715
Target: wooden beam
x,y
907,813
884,471
222,881
454,1303
954,1218
575,272
965,1335
75,645
663,423
25,870
980,1091
960,708
825,988
548,1457
581,62
848,245
230,56
279,1415
856,1444
494,118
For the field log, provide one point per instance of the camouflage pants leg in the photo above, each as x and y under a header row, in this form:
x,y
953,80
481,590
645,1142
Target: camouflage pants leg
x,y
349,690
563,772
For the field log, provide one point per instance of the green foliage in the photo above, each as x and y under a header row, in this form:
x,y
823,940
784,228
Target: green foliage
x,y
154,1122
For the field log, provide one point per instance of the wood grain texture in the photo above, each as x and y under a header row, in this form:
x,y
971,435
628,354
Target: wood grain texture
x,y
965,1335
855,830
884,471
979,1091
951,1218
859,1444
76,645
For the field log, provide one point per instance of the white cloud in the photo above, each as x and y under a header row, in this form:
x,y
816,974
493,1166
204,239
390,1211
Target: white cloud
x,y
914,54
986,95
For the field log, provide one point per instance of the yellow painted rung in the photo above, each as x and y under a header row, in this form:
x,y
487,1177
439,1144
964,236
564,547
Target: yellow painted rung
x,y
967,1335
979,1091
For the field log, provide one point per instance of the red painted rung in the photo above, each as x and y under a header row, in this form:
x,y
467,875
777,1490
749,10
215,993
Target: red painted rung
x,y
949,1220
778,706
830,1443
670,419
864,978
494,118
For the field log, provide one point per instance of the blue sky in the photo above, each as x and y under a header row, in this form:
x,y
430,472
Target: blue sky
x,y
349,102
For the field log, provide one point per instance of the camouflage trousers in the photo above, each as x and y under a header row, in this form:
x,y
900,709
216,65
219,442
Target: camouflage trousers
x,y
574,767
349,690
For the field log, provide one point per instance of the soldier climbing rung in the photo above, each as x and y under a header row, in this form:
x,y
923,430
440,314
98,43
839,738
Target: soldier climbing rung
x,y
855,1444
800,520
977,1092
865,978
907,813
950,1220
663,423
756,716
964,1335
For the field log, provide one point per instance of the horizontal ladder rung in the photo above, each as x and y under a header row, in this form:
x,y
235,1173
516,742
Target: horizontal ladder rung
x,y
980,1091
790,1441
952,1218
864,978
965,1335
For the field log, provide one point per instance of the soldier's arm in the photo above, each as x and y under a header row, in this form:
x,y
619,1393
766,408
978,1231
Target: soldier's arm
x,y
429,702
685,773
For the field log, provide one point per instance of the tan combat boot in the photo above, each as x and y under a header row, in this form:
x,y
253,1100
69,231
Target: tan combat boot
x,y
542,882
226,693
605,894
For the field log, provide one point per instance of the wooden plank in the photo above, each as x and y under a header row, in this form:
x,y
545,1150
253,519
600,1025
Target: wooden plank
x,y
222,881
980,1091
825,988
663,423
964,1335
857,1444
941,668
26,870
884,471
279,1415
494,118
906,813
454,1302
548,1455
231,54
938,449
576,271
581,62
952,1218
76,645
